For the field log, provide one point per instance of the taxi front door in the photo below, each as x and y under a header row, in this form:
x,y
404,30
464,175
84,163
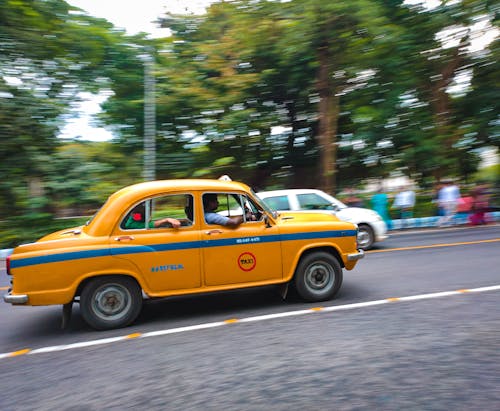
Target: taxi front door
x,y
249,253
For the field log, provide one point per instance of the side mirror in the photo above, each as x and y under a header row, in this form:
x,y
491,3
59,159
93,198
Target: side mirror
x,y
266,220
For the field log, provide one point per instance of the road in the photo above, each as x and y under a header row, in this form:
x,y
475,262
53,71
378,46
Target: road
x,y
370,348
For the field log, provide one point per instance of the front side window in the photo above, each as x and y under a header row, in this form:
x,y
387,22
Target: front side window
x,y
230,209
312,201
169,211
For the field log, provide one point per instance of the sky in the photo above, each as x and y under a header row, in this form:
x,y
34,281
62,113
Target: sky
x,y
136,16
133,17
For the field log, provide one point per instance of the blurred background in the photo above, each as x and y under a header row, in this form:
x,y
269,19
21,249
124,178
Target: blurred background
x,y
343,96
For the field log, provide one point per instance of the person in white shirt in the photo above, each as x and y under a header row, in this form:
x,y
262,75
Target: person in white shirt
x,y
404,202
210,205
448,197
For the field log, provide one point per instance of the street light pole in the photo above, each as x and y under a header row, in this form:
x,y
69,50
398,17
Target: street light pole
x,y
149,120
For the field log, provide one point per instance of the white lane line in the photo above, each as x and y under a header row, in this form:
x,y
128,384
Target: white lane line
x,y
182,329
104,341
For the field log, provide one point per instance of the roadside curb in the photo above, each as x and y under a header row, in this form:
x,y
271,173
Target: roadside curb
x,y
5,252
433,222
3,255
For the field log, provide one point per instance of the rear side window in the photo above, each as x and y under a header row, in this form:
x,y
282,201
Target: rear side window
x,y
154,213
278,202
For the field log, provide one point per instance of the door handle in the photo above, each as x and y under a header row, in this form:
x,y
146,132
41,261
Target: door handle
x,y
124,238
210,232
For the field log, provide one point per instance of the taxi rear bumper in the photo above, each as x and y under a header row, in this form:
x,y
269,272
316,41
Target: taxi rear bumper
x,y
15,298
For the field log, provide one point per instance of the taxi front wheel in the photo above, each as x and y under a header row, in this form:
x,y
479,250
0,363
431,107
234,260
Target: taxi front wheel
x,y
318,277
110,302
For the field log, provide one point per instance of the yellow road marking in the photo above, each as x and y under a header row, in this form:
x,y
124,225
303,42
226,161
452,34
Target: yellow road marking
x,y
316,308
231,321
134,335
419,247
20,352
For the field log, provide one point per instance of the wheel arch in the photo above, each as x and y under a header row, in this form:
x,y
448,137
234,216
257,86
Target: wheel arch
x,y
93,276
323,248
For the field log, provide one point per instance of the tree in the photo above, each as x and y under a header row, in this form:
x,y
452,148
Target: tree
x,y
267,58
431,126
48,54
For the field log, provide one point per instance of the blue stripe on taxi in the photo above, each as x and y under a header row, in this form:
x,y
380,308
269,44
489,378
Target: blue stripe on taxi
x,y
75,255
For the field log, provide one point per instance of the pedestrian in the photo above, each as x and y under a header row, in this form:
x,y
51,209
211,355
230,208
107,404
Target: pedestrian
x,y
480,205
380,203
448,200
464,208
404,202
435,199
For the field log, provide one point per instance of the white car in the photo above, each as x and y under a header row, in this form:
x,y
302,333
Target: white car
x,y
371,227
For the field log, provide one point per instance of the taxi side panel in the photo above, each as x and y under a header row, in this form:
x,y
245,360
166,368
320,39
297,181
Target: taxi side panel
x,y
167,259
338,240
56,282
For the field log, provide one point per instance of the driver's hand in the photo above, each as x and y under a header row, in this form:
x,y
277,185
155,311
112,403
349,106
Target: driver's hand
x,y
250,216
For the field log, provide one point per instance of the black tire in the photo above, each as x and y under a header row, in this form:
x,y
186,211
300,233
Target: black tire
x,y
366,237
110,302
318,277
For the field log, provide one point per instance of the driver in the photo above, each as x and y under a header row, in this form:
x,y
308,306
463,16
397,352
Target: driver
x,y
210,205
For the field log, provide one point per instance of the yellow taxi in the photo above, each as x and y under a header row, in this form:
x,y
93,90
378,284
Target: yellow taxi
x,y
175,237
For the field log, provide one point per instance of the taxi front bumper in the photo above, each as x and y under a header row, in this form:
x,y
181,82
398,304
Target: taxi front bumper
x,y
356,256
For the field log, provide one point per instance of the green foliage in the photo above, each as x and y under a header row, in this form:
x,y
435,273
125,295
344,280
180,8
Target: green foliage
x,y
32,226
490,175
48,54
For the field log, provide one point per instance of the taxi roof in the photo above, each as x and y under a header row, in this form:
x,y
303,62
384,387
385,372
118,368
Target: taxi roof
x,y
127,196
147,187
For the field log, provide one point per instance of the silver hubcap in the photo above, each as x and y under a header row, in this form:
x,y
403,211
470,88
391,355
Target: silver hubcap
x,y
363,238
111,301
318,276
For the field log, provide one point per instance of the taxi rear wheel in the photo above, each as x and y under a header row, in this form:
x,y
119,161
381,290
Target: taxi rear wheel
x,y
110,302
318,277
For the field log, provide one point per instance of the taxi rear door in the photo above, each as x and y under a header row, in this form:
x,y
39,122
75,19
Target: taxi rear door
x,y
168,258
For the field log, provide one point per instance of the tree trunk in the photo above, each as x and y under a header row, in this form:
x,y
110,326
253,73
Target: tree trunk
x,y
328,116
440,102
